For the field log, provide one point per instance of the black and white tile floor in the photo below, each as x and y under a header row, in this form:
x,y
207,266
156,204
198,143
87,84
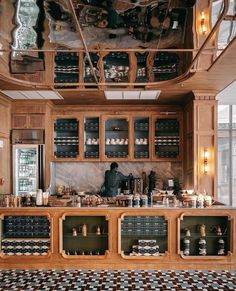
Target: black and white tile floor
x,y
115,280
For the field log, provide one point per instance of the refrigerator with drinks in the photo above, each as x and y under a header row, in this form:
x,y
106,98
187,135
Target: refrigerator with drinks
x,y
28,165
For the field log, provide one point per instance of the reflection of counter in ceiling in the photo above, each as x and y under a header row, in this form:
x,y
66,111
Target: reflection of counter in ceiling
x,y
141,25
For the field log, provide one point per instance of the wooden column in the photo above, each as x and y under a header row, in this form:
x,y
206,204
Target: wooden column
x,y
205,138
5,149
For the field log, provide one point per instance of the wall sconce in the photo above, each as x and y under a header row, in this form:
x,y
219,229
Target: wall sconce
x,y
206,157
203,23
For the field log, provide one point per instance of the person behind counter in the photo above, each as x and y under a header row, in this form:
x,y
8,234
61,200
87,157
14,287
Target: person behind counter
x,y
113,179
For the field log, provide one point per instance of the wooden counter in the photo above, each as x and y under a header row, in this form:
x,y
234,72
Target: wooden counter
x,y
114,257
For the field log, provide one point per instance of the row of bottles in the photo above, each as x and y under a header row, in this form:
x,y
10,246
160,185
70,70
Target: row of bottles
x,y
26,171
26,185
27,157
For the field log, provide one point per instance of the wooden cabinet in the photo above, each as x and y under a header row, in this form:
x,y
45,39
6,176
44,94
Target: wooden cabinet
x,y
120,137
205,236
116,137
167,136
5,116
121,230
141,137
84,236
36,121
67,137
20,239
91,144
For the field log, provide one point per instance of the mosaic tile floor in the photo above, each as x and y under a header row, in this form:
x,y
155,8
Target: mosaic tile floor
x,y
116,280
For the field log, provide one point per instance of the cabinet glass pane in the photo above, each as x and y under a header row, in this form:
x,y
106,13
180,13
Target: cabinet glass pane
x,y
223,167
66,68
142,71
116,138
116,67
166,138
85,235
66,138
205,235
144,235
91,137
141,137
88,74
165,66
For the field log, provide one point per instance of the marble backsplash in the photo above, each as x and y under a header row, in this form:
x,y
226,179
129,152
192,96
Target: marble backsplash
x,y
90,176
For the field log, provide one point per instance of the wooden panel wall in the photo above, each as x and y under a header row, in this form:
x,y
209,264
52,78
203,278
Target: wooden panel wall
x,y
5,150
205,137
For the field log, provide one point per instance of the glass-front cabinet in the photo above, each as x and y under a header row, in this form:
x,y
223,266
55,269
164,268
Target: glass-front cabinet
x,y
25,235
141,137
84,236
143,236
91,138
122,137
66,138
167,137
205,236
116,135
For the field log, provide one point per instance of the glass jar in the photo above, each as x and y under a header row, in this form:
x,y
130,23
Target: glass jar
x,y
129,201
144,200
136,200
193,201
207,201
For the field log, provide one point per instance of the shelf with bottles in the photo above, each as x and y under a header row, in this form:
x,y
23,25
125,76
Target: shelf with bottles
x,y
66,138
91,137
88,74
116,138
27,157
142,71
116,67
84,235
143,236
167,137
141,137
165,66
26,185
204,236
26,235
66,68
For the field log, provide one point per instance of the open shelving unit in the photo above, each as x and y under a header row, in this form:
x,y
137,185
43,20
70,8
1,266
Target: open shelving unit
x,y
25,235
143,236
75,243
210,236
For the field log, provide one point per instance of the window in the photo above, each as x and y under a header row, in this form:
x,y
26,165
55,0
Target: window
x,y
227,30
227,154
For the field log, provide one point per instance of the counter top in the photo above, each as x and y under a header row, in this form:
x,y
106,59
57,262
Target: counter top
x,y
112,207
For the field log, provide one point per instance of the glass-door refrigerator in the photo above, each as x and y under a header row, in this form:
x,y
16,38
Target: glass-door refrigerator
x,y
28,164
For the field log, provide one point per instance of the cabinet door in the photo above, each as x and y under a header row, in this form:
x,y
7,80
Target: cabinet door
x,y
141,137
91,144
19,121
4,117
36,121
66,138
116,137
167,137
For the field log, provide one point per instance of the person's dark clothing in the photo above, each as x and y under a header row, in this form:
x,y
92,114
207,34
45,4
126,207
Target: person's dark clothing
x,y
113,179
